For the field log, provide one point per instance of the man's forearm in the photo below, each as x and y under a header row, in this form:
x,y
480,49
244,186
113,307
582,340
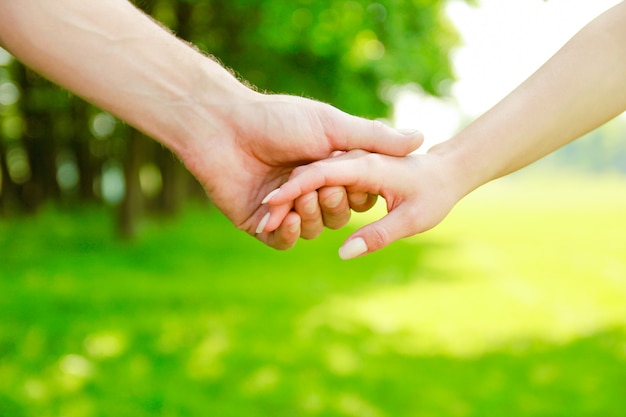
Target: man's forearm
x,y
577,90
115,56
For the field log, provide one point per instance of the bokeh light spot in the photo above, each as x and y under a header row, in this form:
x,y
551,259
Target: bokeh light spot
x,y
113,187
341,359
36,389
67,170
150,180
378,11
5,57
12,127
263,380
104,345
353,405
368,47
9,93
76,365
18,165
102,125
206,359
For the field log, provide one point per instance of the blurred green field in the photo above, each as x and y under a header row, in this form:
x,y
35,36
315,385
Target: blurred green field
x,y
515,305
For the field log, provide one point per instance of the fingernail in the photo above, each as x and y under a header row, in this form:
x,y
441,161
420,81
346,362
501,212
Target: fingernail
x,y
263,223
409,132
311,207
353,248
270,195
358,199
334,200
294,227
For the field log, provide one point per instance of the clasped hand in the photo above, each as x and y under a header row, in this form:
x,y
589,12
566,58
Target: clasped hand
x,y
262,139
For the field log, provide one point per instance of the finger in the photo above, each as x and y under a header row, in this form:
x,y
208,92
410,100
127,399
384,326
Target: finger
x,y
286,235
308,208
335,208
372,135
275,217
395,225
345,170
361,201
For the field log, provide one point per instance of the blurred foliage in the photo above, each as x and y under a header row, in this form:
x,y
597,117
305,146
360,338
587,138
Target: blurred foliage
x,y
344,52
513,306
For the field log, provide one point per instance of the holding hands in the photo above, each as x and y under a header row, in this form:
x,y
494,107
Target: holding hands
x,y
241,144
418,190
268,137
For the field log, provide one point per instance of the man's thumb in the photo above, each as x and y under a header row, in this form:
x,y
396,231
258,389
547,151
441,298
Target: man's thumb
x,y
375,136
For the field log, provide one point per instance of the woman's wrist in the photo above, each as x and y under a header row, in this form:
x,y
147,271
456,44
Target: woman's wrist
x,y
459,167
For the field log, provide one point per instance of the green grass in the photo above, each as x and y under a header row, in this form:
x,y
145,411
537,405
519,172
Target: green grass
x,y
515,305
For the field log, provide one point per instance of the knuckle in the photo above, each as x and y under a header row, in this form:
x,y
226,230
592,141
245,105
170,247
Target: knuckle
x,y
376,162
299,170
377,126
313,171
337,222
310,234
285,246
378,238
282,244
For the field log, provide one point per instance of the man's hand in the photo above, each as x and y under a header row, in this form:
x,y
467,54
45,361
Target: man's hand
x,y
263,139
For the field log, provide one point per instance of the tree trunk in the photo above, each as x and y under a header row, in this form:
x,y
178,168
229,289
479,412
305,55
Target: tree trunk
x,y
9,202
175,179
132,205
39,142
88,166
41,151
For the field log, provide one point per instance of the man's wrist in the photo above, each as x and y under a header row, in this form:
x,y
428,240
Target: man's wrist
x,y
202,113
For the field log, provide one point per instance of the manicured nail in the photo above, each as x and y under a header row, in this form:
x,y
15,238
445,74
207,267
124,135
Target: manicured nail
x,y
334,200
353,248
263,223
270,195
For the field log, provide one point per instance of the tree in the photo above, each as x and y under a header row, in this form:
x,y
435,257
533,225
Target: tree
x,y
344,52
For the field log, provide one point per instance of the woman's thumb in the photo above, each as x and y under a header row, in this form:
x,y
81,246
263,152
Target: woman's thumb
x,y
377,235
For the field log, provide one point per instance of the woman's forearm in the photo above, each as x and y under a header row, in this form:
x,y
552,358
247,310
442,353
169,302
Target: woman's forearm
x,y
115,56
581,87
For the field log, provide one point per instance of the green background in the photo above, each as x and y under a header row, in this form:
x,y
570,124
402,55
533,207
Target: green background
x,y
513,306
